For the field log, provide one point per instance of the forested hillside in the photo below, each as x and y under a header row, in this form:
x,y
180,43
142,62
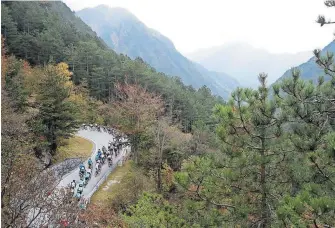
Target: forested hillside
x,y
195,161
57,74
126,34
49,32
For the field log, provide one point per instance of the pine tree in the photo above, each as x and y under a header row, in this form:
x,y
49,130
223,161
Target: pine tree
x,y
321,19
152,210
247,177
310,129
8,26
57,114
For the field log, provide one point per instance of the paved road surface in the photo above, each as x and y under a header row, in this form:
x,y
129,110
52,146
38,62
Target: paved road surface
x,y
100,139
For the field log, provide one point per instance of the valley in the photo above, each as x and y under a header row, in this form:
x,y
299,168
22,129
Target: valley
x,y
105,123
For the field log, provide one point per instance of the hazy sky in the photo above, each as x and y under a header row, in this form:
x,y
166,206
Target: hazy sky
x,y
278,26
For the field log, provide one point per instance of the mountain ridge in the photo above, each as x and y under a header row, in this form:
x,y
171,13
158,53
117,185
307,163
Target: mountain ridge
x,y
127,35
245,62
309,70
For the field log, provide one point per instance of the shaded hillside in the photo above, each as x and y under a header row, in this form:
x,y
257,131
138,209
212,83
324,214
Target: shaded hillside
x,y
124,33
310,70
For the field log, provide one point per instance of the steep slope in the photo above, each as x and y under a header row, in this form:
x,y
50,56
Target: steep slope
x,y
245,62
125,34
310,70
42,32
218,80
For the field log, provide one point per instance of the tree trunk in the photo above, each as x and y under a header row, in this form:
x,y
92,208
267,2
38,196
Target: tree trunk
x,y
264,209
86,66
134,147
52,139
159,178
53,147
295,187
109,93
264,198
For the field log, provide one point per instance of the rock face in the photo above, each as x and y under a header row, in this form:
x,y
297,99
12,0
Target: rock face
x,y
66,166
45,158
61,168
126,34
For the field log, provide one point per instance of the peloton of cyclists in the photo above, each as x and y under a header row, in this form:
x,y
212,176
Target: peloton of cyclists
x,y
103,154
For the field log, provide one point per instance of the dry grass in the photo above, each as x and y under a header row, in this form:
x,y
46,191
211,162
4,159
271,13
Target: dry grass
x,y
75,147
101,195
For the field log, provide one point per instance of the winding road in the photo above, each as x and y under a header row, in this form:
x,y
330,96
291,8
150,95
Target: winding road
x,y
99,140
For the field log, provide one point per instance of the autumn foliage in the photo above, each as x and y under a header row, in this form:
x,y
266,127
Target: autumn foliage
x,y
100,216
137,107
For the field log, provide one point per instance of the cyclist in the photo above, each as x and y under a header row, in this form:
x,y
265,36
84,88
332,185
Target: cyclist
x,y
78,196
81,166
87,177
97,168
73,185
110,161
104,150
81,170
80,189
90,163
103,158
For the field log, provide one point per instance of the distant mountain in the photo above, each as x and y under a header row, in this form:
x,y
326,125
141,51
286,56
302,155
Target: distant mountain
x,y
310,70
245,62
126,34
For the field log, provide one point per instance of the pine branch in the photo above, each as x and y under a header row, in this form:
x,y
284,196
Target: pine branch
x,y
322,21
197,191
321,63
321,171
212,202
330,3
241,117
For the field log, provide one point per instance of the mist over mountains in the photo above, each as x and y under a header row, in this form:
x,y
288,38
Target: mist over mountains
x,y
245,62
222,68
125,34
